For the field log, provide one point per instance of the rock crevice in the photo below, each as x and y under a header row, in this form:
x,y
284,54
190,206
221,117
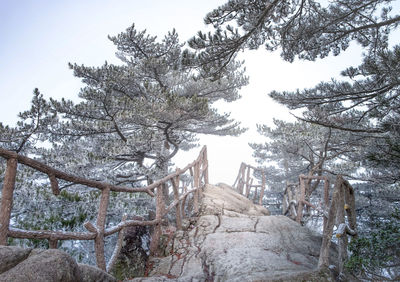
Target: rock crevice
x,y
236,240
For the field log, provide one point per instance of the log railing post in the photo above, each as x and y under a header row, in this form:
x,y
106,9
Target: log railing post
x,y
196,181
7,199
241,181
53,243
175,187
262,187
247,180
205,166
326,202
328,231
255,194
199,173
183,203
340,220
301,200
155,238
285,201
350,206
237,180
100,226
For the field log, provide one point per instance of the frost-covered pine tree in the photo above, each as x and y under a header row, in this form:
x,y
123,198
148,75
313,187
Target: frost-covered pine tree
x,y
365,103
129,123
294,148
134,117
306,29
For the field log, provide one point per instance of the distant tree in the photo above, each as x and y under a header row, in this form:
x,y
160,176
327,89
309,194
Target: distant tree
x,y
294,148
31,128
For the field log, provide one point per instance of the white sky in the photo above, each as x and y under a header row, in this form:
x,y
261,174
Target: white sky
x,y
39,38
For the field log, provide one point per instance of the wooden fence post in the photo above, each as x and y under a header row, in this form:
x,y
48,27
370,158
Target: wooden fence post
x,y
326,202
175,187
53,243
196,181
241,181
100,225
341,220
328,231
262,187
350,206
7,199
183,203
205,166
248,180
301,200
155,238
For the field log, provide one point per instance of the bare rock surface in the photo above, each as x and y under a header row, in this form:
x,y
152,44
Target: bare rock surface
x,y
34,265
236,240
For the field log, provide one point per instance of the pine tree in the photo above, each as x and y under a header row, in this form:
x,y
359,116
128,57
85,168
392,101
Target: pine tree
x,y
365,103
134,117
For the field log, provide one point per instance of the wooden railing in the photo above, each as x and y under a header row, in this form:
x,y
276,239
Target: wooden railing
x,y
244,182
340,211
296,197
198,171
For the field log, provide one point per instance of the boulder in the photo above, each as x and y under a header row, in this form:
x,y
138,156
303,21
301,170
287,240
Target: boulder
x,y
39,265
223,199
91,273
18,264
235,240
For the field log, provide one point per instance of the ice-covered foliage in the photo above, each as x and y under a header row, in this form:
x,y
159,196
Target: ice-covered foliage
x,y
129,123
376,255
134,117
294,148
298,28
365,103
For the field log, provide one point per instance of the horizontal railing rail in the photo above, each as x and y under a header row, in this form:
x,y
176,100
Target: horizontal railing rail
x,y
198,170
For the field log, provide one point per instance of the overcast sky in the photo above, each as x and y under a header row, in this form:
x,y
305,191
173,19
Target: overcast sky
x,y
39,38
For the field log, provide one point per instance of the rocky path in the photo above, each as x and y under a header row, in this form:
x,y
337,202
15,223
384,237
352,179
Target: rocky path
x,y
234,240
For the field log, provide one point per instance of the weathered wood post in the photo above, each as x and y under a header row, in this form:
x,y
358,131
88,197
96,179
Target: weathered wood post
x,y
160,206
326,202
200,174
247,180
241,180
100,226
205,166
262,187
350,206
341,223
7,199
328,231
53,243
301,199
185,189
196,179
175,187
